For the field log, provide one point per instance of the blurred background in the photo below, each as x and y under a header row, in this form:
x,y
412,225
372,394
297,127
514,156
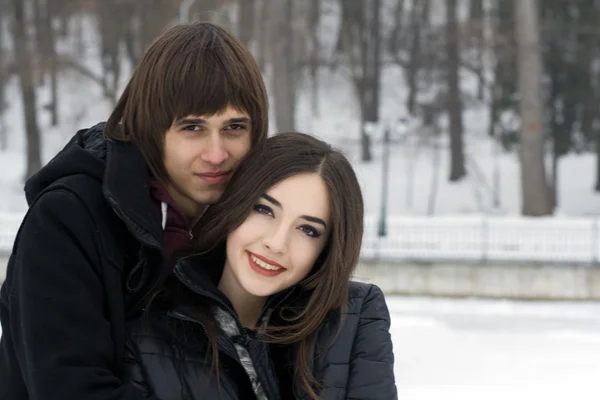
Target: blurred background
x,y
474,128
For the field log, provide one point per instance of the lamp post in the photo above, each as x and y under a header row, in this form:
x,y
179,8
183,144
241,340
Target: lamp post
x,y
184,10
385,165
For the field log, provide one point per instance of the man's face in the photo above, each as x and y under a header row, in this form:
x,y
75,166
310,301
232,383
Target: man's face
x,y
200,155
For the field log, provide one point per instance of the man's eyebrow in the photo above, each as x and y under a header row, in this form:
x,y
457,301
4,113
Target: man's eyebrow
x,y
306,217
190,121
238,120
202,121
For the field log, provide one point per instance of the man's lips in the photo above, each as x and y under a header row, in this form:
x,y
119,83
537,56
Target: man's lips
x,y
214,178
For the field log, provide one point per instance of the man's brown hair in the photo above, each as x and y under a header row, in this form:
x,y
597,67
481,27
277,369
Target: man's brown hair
x,y
192,69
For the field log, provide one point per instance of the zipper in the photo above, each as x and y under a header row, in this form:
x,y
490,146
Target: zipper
x,y
150,243
131,224
185,318
198,290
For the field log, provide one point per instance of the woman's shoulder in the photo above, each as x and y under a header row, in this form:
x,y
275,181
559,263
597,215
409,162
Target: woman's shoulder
x,y
361,293
365,300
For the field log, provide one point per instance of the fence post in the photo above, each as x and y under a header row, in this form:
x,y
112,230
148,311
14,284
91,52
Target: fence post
x,y
595,242
484,239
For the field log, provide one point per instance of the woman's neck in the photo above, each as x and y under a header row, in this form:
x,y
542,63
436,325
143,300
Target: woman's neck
x,y
246,305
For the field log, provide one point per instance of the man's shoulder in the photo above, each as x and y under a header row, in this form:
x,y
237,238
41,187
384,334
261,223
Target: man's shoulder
x,y
79,188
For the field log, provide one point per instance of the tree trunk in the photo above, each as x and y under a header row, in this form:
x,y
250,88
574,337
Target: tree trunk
x,y
283,63
49,53
3,78
25,72
454,103
314,19
264,34
395,42
415,56
478,23
372,61
246,21
370,72
112,31
597,186
534,185
41,66
554,182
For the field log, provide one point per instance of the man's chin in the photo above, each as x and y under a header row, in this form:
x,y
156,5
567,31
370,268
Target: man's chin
x,y
209,200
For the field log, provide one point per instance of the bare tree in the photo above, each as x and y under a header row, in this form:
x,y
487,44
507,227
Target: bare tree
x,y
112,27
246,20
283,63
47,59
314,18
536,195
476,19
25,73
263,29
418,23
454,102
3,76
359,39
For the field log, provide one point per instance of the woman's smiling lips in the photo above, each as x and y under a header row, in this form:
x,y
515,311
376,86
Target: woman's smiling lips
x,y
264,266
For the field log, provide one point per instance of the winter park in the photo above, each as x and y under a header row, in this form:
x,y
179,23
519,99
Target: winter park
x,y
473,127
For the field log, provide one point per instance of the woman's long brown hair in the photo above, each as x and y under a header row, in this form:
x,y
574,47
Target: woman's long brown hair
x,y
326,288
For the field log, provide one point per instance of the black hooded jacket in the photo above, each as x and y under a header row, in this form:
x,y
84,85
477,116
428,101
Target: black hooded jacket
x,y
87,254
353,360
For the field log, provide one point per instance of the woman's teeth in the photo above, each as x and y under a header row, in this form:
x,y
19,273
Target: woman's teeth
x,y
263,264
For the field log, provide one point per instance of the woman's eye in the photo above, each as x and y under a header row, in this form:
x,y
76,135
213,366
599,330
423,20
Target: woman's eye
x,y
310,231
262,209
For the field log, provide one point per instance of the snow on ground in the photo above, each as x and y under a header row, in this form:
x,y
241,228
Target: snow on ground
x,y
495,350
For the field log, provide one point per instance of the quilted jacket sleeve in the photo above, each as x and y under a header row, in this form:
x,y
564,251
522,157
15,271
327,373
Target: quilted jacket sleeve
x,y
371,374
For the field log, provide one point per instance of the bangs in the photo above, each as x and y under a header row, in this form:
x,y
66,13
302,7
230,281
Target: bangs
x,y
195,69
209,79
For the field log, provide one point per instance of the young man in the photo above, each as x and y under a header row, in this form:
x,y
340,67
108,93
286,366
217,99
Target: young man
x,y
109,212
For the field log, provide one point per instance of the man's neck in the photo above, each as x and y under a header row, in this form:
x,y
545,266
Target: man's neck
x,y
247,306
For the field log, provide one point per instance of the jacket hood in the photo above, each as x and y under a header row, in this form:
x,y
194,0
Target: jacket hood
x,y
84,154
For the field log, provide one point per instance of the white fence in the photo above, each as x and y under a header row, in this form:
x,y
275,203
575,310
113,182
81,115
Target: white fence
x,y
485,239
457,238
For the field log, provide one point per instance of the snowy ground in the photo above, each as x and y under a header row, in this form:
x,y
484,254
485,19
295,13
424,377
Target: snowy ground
x,y
495,350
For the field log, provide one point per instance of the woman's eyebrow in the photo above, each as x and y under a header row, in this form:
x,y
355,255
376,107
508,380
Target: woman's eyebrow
x,y
306,217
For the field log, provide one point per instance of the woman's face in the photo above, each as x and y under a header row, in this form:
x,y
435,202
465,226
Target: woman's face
x,y
280,240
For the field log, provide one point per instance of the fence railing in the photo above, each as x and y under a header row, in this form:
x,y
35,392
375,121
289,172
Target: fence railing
x,y
456,239
484,239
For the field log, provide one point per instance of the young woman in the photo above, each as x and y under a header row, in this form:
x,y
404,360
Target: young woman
x,y
265,307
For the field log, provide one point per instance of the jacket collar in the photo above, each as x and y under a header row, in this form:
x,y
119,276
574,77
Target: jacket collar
x,y
127,188
201,275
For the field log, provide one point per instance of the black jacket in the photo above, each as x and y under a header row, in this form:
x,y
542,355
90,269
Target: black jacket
x,y
88,252
357,363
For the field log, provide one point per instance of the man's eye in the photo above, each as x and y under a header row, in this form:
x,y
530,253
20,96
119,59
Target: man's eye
x,y
236,127
191,128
